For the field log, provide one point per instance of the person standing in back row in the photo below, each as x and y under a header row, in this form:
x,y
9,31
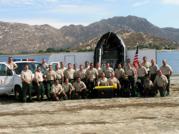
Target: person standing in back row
x,y
81,73
69,73
108,70
91,78
141,73
59,74
130,72
146,64
120,73
87,66
26,77
99,69
44,65
167,71
39,83
51,77
153,70
62,67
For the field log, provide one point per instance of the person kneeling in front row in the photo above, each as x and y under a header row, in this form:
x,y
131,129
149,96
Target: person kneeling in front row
x,y
69,89
161,83
114,81
57,92
80,89
149,90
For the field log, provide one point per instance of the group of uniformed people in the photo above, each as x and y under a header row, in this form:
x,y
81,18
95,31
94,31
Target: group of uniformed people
x,y
72,83
147,79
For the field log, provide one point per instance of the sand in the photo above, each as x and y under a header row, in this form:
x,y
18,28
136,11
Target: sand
x,y
118,115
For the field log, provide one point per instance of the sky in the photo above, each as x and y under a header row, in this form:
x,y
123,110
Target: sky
x,y
58,13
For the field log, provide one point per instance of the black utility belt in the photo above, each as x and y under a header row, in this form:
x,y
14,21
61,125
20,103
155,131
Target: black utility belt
x,y
50,80
167,75
26,83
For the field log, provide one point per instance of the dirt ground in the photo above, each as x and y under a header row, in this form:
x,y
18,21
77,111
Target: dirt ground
x,y
117,115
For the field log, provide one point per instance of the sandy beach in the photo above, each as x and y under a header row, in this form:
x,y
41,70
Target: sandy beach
x,y
118,115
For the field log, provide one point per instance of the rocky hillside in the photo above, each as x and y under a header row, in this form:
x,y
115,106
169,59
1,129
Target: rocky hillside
x,y
132,39
15,37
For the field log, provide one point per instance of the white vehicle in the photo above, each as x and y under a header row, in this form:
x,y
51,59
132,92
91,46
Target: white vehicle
x,y
10,80
7,76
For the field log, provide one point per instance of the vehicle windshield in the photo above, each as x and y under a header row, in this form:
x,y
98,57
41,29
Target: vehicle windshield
x,y
32,67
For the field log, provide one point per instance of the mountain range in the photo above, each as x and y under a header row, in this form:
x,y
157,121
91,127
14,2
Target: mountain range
x,y
17,37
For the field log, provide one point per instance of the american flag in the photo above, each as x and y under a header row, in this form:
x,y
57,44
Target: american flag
x,y
136,60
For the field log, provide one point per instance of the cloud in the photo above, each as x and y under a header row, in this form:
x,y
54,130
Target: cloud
x,y
141,3
79,9
27,2
42,21
16,2
51,1
110,0
171,2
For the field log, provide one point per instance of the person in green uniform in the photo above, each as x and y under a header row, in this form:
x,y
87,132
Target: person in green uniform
x,y
167,71
161,83
59,74
38,77
69,89
69,73
26,77
50,76
80,88
58,92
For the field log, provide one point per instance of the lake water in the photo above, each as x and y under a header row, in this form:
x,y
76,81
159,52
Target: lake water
x,y
172,58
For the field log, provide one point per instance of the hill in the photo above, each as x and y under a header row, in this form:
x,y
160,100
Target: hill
x,y
23,38
131,39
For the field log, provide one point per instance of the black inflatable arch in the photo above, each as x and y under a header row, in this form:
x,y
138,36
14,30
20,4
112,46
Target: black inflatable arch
x,y
110,49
